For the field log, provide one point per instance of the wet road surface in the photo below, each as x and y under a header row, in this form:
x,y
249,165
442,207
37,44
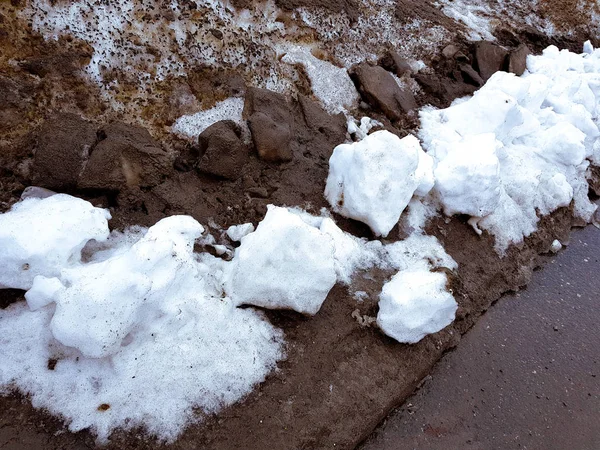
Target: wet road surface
x,y
527,376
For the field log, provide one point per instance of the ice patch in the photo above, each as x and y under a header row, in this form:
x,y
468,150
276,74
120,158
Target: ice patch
x,y
330,84
190,126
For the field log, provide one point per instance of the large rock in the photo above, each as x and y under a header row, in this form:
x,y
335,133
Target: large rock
x,y
271,124
489,58
517,60
379,88
272,139
63,146
223,152
127,156
319,121
395,63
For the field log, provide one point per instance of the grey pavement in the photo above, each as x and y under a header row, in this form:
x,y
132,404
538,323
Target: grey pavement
x,y
527,376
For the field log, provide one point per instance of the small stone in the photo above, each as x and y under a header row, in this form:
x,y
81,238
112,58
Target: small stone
x,y
223,152
127,156
380,90
395,63
556,246
271,139
271,124
470,75
259,192
449,51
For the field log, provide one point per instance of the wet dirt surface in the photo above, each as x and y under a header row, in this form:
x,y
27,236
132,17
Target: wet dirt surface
x,y
525,376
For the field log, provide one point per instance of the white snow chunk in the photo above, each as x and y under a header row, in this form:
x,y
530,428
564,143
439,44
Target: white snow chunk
x,y
556,246
113,291
374,179
415,303
237,232
41,236
284,264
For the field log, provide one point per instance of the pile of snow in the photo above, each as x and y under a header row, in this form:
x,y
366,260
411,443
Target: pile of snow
x,y
134,329
373,180
415,303
141,336
520,147
41,236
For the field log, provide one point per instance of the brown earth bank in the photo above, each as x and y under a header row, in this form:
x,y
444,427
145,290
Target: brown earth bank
x,y
340,378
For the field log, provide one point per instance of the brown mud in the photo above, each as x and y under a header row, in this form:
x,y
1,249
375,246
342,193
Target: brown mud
x,y
340,378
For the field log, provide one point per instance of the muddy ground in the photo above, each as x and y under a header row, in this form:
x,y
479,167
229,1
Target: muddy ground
x,y
340,378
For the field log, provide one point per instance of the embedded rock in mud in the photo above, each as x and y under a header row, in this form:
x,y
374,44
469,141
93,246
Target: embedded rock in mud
x,y
223,152
517,59
271,124
393,62
126,156
379,88
271,139
332,128
489,58
63,144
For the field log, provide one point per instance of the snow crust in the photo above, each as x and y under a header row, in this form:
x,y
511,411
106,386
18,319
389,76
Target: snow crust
x,y
330,84
520,147
190,126
374,179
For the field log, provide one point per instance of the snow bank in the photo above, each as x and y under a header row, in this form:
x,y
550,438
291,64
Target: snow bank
x,y
190,126
415,303
41,236
136,330
520,147
373,180
142,335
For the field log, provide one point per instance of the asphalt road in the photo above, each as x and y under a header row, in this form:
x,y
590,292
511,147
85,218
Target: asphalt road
x,y
527,376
